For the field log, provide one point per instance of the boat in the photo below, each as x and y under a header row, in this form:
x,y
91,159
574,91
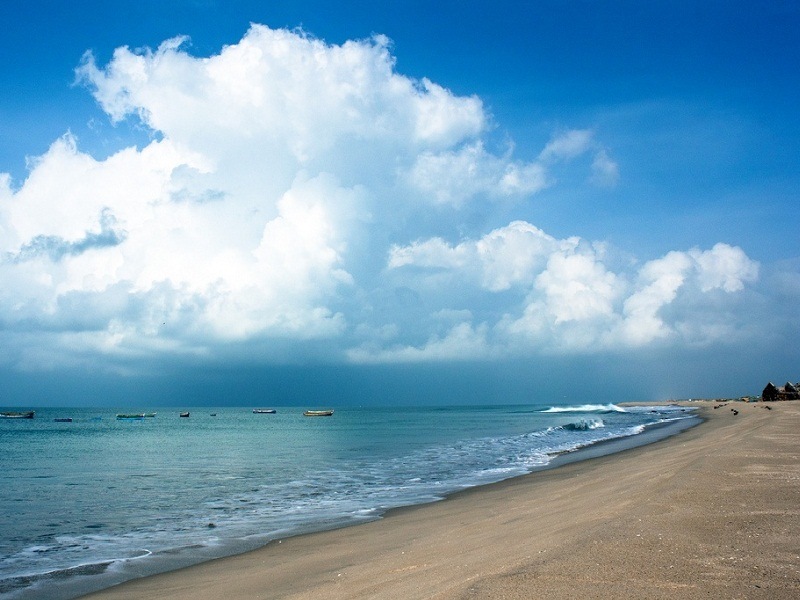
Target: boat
x,y
185,414
17,415
63,419
264,411
136,416
317,413
149,415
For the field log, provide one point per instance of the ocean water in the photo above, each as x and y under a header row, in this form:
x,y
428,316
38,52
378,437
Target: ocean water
x,y
98,501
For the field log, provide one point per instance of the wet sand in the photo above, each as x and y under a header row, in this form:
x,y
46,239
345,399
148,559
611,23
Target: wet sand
x,y
713,512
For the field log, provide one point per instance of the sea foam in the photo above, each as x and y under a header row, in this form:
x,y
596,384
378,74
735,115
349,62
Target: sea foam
x,y
585,408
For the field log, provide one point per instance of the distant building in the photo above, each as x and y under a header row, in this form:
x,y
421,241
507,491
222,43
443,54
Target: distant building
x,y
773,393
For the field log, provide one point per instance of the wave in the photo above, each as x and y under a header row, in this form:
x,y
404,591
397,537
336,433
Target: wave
x,y
584,425
15,583
596,408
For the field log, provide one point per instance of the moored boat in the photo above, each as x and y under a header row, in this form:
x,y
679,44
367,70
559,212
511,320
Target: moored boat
x,y
135,416
150,415
184,414
317,413
17,415
264,411
63,419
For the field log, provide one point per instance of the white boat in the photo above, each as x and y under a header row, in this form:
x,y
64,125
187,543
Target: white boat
x,y
264,411
317,413
17,415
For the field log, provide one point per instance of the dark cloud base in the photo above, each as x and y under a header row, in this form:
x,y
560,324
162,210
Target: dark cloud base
x,y
585,379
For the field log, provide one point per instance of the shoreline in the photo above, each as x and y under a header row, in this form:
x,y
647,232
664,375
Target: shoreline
x,y
710,512
91,577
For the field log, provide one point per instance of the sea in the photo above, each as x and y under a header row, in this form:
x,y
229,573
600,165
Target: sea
x,y
91,503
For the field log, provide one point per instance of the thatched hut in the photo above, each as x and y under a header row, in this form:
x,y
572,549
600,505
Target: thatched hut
x,y
774,393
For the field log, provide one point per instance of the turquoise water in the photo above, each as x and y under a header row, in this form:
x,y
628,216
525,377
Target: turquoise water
x,y
94,502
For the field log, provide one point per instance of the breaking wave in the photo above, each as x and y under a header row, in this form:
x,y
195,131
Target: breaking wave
x,y
585,408
584,425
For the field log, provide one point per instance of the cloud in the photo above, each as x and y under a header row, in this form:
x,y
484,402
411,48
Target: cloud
x,y
573,302
605,172
577,287
503,258
283,89
303,195
56,248
455,177
461,342
569,145
724,267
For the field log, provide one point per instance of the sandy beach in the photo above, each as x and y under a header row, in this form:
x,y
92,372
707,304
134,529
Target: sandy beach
x,y
711,513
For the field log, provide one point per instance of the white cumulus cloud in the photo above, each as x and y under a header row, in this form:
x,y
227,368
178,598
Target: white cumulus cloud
x,y
300,191
456,176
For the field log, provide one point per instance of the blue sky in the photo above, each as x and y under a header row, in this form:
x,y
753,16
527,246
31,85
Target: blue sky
x,y
208,202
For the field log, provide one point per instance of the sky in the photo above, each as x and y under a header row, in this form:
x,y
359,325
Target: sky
x,y
302,202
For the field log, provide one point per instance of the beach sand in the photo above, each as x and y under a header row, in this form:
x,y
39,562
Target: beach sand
x,y
711,513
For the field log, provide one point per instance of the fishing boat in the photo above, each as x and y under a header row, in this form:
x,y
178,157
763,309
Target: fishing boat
x,y
131,416
317,413
185,414
264,411
17,415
